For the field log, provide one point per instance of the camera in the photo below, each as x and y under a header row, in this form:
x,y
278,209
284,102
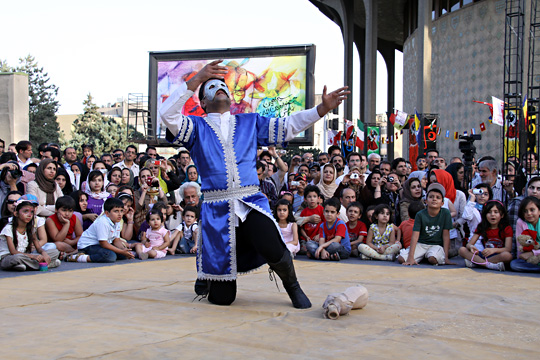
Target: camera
x,y
354,176
295,183
16,173
152,182
478,191
391,179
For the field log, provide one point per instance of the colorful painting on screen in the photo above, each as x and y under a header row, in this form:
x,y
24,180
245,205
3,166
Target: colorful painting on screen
x,y
373,140
270,86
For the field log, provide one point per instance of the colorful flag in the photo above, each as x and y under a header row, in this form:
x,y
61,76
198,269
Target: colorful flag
x,y
447,133
525,108
360,138
465,133
498,111
337,138
482,127
400,120
438,131
416,120
397,135
392,118
456,135
349,129
473,131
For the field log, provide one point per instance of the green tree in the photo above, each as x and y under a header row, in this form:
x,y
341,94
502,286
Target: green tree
x,y
104,133
42,102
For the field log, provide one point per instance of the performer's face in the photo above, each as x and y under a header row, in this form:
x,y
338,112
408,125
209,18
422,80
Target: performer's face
x,y
216,97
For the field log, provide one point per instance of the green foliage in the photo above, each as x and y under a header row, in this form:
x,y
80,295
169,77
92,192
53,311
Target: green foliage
x,y
43,125
4,67
104,133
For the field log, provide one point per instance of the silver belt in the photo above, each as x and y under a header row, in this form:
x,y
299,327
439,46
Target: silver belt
x,y
230,194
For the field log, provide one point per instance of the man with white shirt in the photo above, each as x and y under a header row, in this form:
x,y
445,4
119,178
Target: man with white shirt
x,y
24,153
128,162
238,233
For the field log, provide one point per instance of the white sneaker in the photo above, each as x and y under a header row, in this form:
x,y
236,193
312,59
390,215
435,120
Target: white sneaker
x,y
469,264
19,267
55,263
501,266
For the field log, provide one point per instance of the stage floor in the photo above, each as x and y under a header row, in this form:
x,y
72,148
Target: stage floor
x,y
145,309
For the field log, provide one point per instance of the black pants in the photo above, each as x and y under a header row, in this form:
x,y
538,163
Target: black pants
x,y
258,234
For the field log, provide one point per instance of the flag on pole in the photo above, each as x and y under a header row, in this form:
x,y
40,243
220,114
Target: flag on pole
x,y
416,120
465,133
392,118
447,133
349,129
482,127
333,137
359,143
438,131
456,135
525,108
498,111
400,120
473,131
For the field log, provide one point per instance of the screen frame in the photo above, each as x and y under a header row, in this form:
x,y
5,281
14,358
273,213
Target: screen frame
x,y
307,50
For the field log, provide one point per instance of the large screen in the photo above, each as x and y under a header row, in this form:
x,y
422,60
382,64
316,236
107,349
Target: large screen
x,y
272,81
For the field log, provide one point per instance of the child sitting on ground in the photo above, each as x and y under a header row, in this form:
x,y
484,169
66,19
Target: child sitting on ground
x,y
381,241
155,240
431,231
283,214
101,242
406,227
185,235
356,228
314,213
496,236
333,243
17,237
63,227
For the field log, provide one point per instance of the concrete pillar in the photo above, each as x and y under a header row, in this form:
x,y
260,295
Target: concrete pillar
x,y
423,104
387,51
14,107
370,62
348,42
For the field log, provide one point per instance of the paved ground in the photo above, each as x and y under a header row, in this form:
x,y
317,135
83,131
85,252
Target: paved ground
x,y
145,309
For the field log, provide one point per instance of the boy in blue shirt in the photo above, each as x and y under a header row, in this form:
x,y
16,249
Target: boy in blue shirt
x,y
334,243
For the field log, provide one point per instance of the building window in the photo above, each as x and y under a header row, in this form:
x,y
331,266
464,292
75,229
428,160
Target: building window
x,y
442,7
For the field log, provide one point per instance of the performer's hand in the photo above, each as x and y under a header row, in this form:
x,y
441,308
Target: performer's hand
x,y
210,70
332,100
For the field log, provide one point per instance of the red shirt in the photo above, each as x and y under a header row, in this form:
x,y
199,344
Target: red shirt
x,y
312,229
336,230
359,230
59,225
406,228
493,239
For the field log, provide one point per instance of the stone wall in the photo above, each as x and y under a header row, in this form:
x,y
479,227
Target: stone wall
x,y
467,64
13,107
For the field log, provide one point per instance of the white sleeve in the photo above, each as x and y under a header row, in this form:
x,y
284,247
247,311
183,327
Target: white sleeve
x,y
171,110
300,121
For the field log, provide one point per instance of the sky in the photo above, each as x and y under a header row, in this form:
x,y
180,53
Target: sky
x,y
101,47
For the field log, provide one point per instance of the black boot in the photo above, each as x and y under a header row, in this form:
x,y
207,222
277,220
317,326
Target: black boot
x,y
201,287
285,270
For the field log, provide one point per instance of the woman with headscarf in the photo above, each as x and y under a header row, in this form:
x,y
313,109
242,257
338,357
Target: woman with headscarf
x,y
410,193
64,181
370,190
80,172
146,196
457,170
327,185
155,168
127,177
192,174
45,188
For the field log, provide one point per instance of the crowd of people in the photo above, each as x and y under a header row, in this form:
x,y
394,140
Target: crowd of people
x,y
127,204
